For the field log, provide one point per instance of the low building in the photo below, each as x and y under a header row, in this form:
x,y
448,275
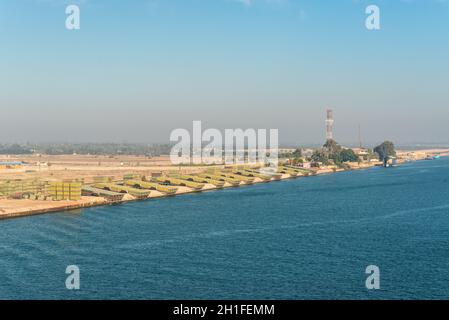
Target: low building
x,y
307,165
362,153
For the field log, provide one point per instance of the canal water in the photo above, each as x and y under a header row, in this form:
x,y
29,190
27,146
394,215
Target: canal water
x,y
306,238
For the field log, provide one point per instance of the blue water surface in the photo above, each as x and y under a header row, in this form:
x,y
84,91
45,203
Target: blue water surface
x,y
306,238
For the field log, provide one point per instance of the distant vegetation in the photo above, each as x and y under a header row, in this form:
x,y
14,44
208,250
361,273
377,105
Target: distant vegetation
x,y
333,152
14,149
87,148
295,157
385,150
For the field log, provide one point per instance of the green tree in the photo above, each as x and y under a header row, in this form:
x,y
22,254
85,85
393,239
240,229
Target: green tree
x,y
385,150
297,153
332,147
331,150
297,161
320,155
348,155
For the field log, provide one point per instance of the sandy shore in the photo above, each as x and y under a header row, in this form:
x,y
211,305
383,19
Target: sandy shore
x,y
21,208
87,167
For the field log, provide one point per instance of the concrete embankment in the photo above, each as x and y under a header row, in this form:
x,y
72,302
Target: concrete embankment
x,y
21,208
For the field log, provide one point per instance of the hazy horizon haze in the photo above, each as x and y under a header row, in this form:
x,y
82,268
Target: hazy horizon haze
x,y
137,70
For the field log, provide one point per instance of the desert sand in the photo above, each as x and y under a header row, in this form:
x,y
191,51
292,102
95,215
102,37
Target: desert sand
x,y
87,167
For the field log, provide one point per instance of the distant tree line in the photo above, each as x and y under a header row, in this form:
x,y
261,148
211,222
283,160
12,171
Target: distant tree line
x,y
333,152
330,152
87,148
14,149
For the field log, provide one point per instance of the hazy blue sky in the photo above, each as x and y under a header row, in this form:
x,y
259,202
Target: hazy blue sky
x,y
138,69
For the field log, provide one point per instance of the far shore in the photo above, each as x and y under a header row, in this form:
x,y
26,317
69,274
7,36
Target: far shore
x,y
69,166
23,207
